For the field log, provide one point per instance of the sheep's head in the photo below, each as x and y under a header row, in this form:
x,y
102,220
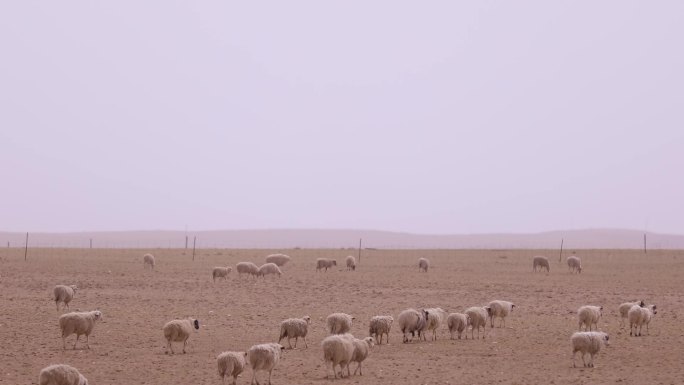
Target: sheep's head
x,y
334,263
489,311
512,306
641,303
74,288
307,319
97,314
601,310
370,341
653,309
605,338
195,322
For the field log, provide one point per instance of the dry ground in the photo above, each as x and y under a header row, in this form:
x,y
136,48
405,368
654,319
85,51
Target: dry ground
x,y
128,347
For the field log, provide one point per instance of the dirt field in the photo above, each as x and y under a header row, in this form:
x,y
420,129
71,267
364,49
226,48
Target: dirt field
x,y
534,348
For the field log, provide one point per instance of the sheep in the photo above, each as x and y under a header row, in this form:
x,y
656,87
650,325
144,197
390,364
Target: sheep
x,y
423,264
230,364
248,268
64,294
589,315
587,342
338,350
574,264
278,259
148,259
639,316
179,330
478,317
61,374
351,263
412,321
434,319
295,328
540,262
325,263
624,309
379,325
339,323
269,268
501,309
264,357
221,272
457,322
362,349
78,323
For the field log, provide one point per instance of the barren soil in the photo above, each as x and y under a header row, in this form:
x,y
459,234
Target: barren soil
x,y
534,348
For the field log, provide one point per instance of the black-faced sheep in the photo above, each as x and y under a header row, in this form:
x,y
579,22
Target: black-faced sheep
x,y
624,309
501,309
295,328
640,316
589,316
339,323
412,321
540,263
379,325
179,330
587,342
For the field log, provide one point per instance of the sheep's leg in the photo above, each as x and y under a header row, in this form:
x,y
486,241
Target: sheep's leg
x,y
63,342
289,344
583,362
591,360
88,341
254,377
185,343
77,337
358,368
269,376
296,339
333,368
305,344
574,353
57,304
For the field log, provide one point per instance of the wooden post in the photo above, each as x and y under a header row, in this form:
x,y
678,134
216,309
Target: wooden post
x,y
360,250
194,241
186,242
560,255
26,249
644,243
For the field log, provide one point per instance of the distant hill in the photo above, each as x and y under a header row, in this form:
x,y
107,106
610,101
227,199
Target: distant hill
x,y
322,238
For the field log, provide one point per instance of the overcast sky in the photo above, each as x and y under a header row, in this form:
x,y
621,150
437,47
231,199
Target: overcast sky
x,y
427,117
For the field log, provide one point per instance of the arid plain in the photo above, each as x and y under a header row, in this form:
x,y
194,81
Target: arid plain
x,y
534,348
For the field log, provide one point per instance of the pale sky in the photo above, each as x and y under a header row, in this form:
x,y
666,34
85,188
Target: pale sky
x,y
426,117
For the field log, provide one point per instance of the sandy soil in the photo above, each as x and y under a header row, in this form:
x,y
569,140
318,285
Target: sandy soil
x,y
534,348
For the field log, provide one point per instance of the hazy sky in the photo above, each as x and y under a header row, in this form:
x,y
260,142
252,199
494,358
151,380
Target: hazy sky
x,y
429,117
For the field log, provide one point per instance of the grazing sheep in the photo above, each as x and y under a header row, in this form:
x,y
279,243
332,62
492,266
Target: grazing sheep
x,y
264,357
540,262
338,350
435,317
351,263
230,364
64,294
587,342
412,321
325,263
278,259
423,264
639,316
379,325
78,323
362,349
179,330
269,268
574,264
457,322
339,323
61,374
624,309
246,268
221,272
501,309
589,315
148,259
295,328
478,317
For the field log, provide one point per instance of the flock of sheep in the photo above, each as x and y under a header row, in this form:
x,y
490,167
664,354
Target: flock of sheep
x,y
340,348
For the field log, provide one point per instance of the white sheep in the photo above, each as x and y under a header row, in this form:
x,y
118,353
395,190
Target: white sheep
x,y
540,262
64,294
325,263
338,350
624,309
248,268
221,272
362,349
78,323
339,323
278,259
148,260
295,328
230,364
574,264
639,316
457,322
501,309
412,321
423,264
264,357
589,315
61,374
179,330
587,342
269,268
478,318
435,317
379,325
351,262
